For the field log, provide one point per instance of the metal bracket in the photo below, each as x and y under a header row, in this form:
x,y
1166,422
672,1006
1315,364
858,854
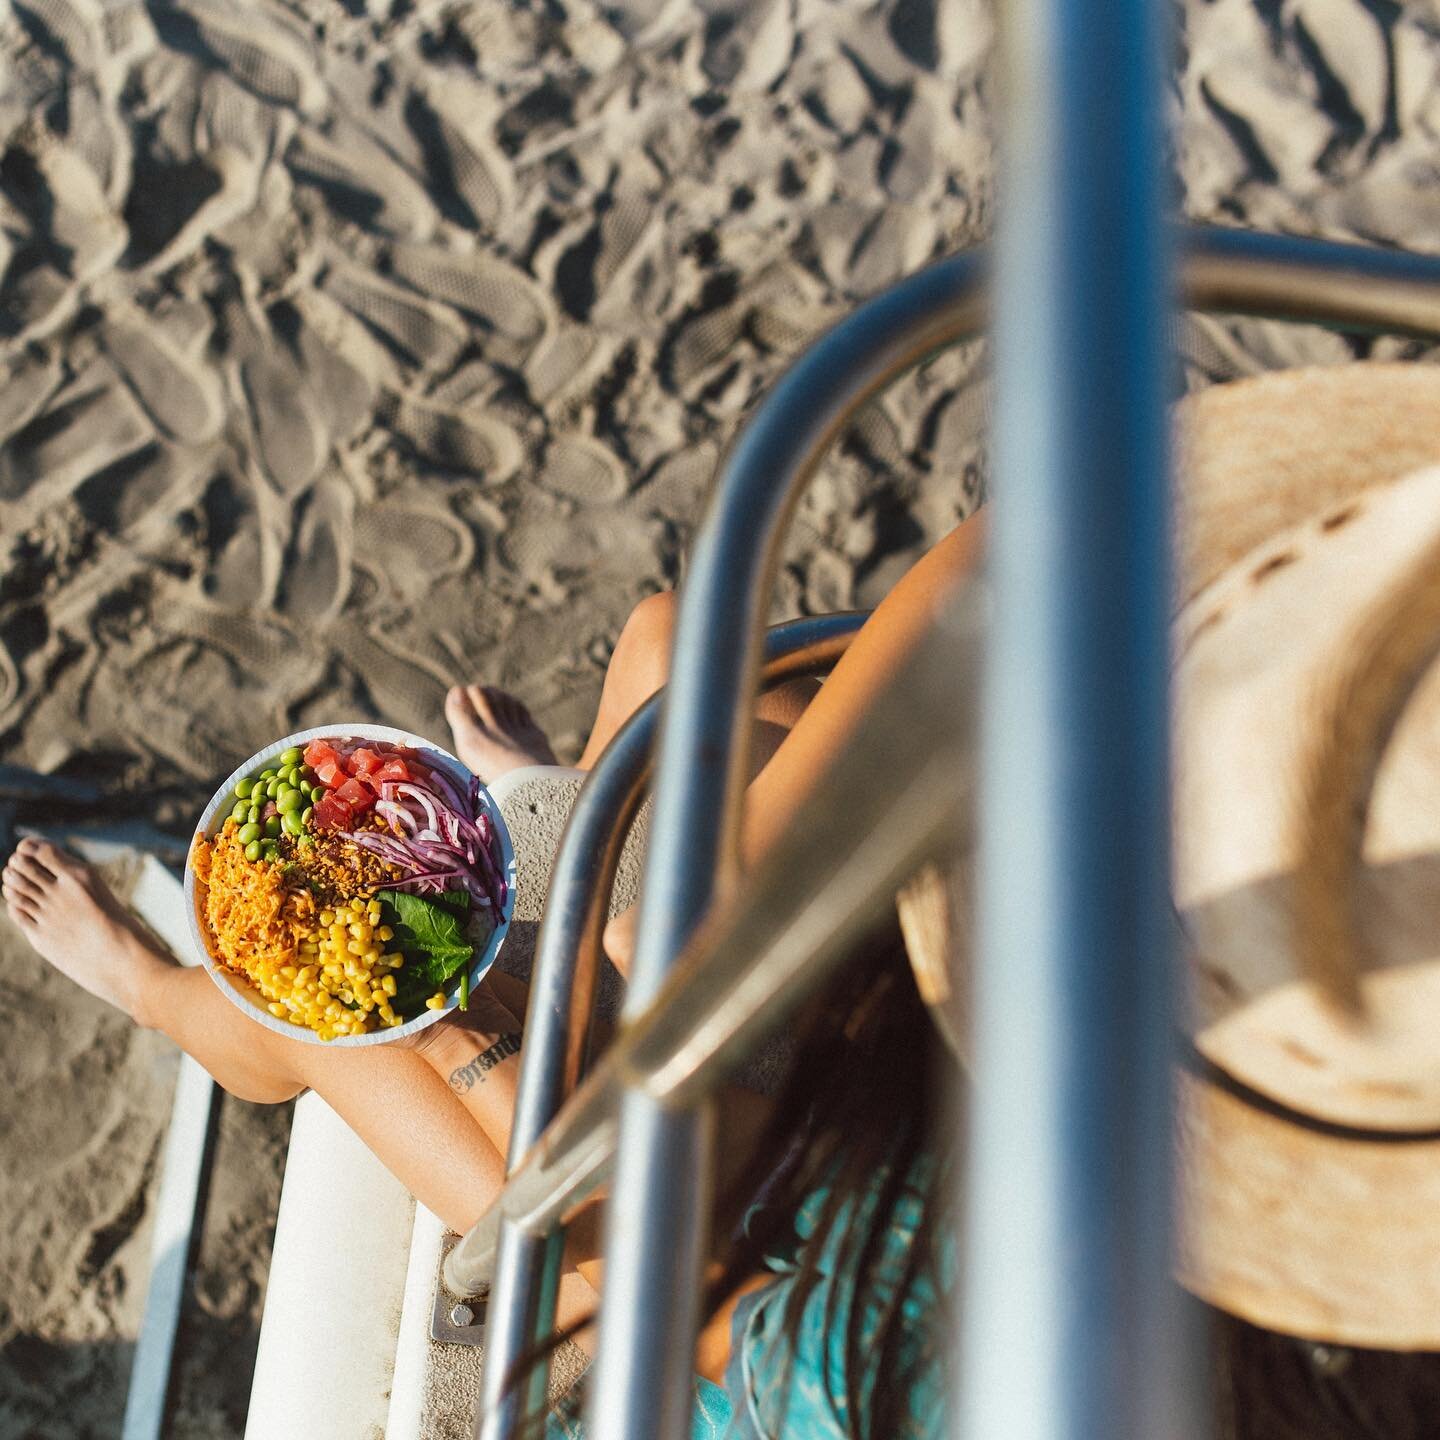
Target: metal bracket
x,y
456,1321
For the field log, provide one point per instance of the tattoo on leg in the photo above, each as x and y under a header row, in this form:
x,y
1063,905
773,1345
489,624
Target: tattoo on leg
x,y
465,1077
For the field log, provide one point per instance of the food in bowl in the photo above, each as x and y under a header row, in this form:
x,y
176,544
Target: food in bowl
x,y
351,884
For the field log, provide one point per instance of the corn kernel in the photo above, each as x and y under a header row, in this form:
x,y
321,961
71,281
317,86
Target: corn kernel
x,y
388,984
386,934
436,1001
278,1011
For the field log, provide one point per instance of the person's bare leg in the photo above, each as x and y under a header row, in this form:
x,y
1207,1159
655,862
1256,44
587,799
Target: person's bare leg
x,y
639,666
495,732
815,738
396,1102
866,668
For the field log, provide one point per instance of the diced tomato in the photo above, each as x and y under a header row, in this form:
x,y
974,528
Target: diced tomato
x,y
394,769
363,761
330,773
356,795
332,813
318,752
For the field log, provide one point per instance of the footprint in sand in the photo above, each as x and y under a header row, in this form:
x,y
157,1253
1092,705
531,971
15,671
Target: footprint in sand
x,y
421,334
467,172
583,469
290,440
143,491
90,425
264,55
181,396
72,27
568,359
27,384
316,578
342,393
511,307
66,235
408,542
473,444
241,559
360,181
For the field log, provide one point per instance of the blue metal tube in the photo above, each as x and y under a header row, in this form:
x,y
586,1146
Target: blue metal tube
x,y
653,1228
1344,286
1067,1331
527,1268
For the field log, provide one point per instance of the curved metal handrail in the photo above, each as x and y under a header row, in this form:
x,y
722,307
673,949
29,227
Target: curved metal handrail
x,y
654,1226
557,1021
1344,286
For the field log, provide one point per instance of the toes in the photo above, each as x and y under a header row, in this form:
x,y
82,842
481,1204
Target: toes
x,y
22,911
460,707
457,706
18,886
26,861
56,860
482,697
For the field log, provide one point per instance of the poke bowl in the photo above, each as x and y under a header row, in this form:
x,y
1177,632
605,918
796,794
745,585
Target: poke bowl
x,y
350,884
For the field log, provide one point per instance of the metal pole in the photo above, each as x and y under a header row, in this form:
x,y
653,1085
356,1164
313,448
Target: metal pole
x,y
527,1267
658,1213
1343,286
1066,1297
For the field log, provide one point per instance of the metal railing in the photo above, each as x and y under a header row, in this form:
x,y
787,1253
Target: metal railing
x,y
684,1032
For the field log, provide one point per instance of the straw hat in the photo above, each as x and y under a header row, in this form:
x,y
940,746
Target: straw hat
x,y
1307,853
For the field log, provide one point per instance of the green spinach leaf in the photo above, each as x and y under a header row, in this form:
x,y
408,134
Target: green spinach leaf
x,y
430,931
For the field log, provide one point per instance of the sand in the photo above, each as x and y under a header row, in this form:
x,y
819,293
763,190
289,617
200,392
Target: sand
x,y
350,349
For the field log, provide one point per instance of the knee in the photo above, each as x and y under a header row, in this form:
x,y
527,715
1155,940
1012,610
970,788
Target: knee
x,y
260,1091
644,642
651,622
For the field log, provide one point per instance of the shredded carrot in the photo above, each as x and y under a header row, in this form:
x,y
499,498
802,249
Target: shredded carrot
x,y
254,917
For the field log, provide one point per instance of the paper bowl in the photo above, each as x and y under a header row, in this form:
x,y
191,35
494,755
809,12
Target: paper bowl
x,y
244,995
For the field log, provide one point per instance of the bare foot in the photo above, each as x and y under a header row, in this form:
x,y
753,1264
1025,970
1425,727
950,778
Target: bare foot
x,y
494,732
69,915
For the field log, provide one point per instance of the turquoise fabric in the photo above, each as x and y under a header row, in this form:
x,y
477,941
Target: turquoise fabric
x,y
761,1401
801,1390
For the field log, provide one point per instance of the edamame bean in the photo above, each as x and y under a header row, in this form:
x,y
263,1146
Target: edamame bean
x,y
272,788
289,799
292,823
286,775
254,812
292,756
272,827
317,794
252,851
306,814
248,833
244,787
239,811
307,772
306,788
266,775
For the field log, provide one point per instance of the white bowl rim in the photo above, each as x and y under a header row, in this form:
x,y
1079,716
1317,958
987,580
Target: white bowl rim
x,y
234,987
